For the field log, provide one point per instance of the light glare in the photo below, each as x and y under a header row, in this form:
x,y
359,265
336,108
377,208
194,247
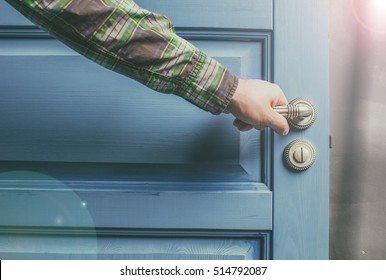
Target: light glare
x,y
379,5
371,14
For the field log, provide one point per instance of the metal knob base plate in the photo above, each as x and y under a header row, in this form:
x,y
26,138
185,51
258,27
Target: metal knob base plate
x,y
299,155
300,113
303,122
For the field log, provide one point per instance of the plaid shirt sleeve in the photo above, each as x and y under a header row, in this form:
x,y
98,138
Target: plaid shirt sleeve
x,y
125,38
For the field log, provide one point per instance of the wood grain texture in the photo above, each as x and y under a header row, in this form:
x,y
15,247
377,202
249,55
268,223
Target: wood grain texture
x,y
68,109
187,13
142,205
131,248
112,243
97,153
301,69
251,14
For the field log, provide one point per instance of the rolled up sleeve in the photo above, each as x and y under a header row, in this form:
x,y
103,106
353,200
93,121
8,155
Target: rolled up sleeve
x,y
137,43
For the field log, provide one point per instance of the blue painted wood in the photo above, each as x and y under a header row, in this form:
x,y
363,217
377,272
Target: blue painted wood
x,y
225,14
95,157
301,69
96,115
84,199
257,15
131,246
9,16
117,243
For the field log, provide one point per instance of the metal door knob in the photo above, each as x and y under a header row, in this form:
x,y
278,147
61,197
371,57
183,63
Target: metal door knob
x,y
299,155
300,113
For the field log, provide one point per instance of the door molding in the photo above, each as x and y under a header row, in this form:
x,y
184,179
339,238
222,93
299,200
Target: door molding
x,y
111,238
264,37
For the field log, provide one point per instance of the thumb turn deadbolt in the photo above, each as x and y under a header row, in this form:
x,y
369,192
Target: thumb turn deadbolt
x,y
299,155
300,113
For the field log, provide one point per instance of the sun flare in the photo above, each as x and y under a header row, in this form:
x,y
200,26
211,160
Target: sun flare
x,y
379,5
370,14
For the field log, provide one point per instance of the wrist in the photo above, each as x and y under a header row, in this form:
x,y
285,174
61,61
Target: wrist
x,y
237,98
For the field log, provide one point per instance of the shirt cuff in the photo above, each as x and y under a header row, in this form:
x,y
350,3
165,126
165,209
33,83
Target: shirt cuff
x,y
209,85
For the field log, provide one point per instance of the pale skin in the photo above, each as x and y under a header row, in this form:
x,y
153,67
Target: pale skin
x,y
252,106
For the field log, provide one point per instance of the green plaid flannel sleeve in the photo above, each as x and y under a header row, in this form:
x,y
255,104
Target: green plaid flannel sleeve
x,y
123,37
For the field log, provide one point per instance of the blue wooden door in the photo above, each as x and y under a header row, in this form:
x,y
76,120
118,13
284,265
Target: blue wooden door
x,y
94,165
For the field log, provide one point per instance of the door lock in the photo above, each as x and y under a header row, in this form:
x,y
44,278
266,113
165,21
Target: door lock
x,y
299,155
300,113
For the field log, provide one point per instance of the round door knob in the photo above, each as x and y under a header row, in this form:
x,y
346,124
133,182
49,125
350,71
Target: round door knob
x,y
300,113
299,155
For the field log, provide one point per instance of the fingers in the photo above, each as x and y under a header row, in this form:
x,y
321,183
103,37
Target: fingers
x,y
279,124
242,126
252,105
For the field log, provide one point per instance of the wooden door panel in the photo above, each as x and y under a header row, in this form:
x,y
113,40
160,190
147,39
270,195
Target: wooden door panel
x,y
10,17
225,14
120,247
62,107
117,196
255,15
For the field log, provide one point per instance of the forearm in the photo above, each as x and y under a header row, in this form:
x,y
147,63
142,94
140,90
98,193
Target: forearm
x,y
125,38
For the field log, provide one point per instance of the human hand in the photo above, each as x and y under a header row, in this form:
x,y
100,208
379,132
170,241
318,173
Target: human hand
x,y
252,104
